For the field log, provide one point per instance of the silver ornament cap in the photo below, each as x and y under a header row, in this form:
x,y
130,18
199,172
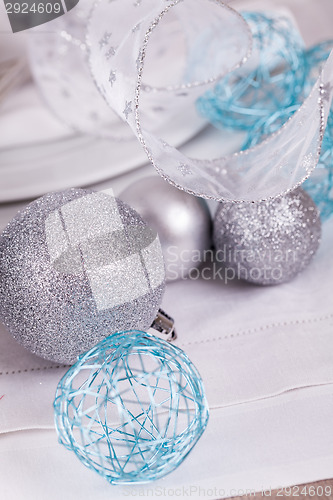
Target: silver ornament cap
x,y
270,242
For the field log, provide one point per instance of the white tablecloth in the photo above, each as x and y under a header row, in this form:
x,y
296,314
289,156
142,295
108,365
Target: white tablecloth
x,y
265,355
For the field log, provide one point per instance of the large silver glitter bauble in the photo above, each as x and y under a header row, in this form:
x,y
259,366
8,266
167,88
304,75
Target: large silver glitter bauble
x,y
270,242
75,267
183,222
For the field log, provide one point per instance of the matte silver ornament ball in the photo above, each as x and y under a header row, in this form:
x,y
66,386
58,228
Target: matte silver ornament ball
x,y
75,267
270,242
182,221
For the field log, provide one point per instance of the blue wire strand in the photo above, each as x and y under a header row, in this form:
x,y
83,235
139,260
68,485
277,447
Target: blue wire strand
x,y
247,94
148,385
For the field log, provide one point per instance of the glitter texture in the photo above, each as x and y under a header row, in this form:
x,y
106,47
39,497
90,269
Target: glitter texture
x,y
132,408
64,286
270,242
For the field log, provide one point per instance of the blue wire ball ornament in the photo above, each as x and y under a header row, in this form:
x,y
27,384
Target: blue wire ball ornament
x,y
272,78
131,408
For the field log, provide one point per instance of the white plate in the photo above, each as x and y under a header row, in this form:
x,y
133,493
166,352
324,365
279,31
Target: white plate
x,y
38,154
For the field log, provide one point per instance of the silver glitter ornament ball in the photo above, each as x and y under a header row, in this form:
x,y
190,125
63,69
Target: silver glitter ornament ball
x,y
270,242
182,221
75,267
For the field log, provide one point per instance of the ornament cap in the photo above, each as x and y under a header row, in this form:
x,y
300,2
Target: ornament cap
x,y
163,326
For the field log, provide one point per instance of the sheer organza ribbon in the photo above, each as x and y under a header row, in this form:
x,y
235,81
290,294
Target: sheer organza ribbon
x,y
216,41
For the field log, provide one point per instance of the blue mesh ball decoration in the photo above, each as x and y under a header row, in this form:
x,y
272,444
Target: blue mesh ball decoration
x,y
131,408
271,79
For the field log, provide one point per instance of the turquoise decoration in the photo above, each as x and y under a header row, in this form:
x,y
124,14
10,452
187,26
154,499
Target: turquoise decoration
x,y
313,61
272,79
268,125
320,184
131,408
